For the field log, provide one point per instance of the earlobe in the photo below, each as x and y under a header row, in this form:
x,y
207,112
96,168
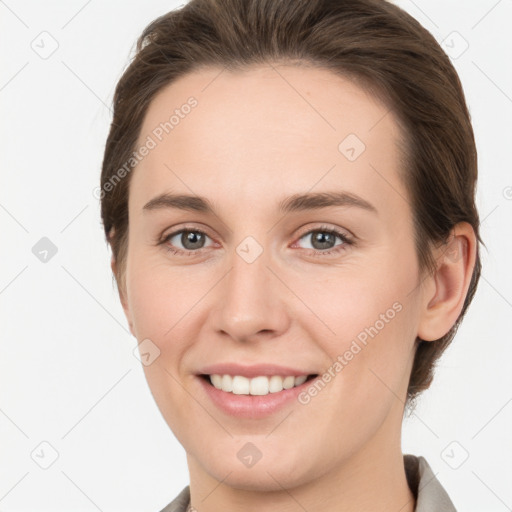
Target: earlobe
x,y
446,290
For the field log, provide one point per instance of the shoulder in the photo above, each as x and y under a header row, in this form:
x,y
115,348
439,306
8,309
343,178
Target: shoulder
x,y
430,494
180,503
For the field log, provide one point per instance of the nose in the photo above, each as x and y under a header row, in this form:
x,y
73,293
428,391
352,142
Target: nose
x,y
251,301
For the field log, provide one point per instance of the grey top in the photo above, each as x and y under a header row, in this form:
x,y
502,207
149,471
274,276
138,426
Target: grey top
x,y
429,493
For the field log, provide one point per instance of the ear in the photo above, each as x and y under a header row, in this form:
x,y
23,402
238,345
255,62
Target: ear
x,y
122,295
445,291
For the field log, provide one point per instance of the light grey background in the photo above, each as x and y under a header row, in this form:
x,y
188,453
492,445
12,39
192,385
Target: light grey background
x,y
68,376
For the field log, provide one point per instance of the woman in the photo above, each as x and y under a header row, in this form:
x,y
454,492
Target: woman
x,y
288,188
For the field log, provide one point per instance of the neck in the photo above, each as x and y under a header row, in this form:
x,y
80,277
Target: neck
x,y
380,488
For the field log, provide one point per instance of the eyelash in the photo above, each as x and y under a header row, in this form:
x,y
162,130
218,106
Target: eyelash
x,y
317,253
336,249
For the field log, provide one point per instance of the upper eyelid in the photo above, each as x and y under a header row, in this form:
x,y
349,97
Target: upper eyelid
x,y
172,233
323,226
340,231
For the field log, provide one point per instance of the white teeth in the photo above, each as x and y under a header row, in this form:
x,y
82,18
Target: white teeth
x,y
262,385
259,386
300,380
241,385
275,384
288,382
226,384
216,380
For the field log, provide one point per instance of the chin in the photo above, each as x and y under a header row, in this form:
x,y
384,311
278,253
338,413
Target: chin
x,y
270,473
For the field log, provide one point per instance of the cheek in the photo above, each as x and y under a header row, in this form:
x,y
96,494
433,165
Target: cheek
x,y
355,301
158,295
371,355
158,304
165,305
162,311
364,320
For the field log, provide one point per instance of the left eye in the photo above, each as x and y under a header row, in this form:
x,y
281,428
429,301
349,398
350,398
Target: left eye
x,y
324,240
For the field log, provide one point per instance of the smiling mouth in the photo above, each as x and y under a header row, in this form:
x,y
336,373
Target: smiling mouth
x,y
262,385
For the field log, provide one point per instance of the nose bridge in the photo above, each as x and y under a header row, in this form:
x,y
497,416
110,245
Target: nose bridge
x,y
251,301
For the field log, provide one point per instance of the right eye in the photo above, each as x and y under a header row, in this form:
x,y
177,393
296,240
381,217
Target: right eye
x,y
192,240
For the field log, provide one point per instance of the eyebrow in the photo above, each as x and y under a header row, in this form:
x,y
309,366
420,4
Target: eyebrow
x,y
294,203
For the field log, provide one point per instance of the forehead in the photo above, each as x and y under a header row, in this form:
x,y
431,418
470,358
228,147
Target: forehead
x,y
265,130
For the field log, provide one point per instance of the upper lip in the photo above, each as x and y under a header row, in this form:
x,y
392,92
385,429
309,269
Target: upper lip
x,y
251,371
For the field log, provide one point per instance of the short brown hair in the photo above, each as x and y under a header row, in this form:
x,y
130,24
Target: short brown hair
x,y
373,42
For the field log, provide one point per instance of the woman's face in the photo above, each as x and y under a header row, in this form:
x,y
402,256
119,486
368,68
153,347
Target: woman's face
x,y
325,286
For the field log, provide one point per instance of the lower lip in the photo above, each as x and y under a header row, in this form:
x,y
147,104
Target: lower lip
x,y
252,406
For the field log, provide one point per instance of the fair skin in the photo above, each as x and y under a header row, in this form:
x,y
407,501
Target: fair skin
x,y
252,141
